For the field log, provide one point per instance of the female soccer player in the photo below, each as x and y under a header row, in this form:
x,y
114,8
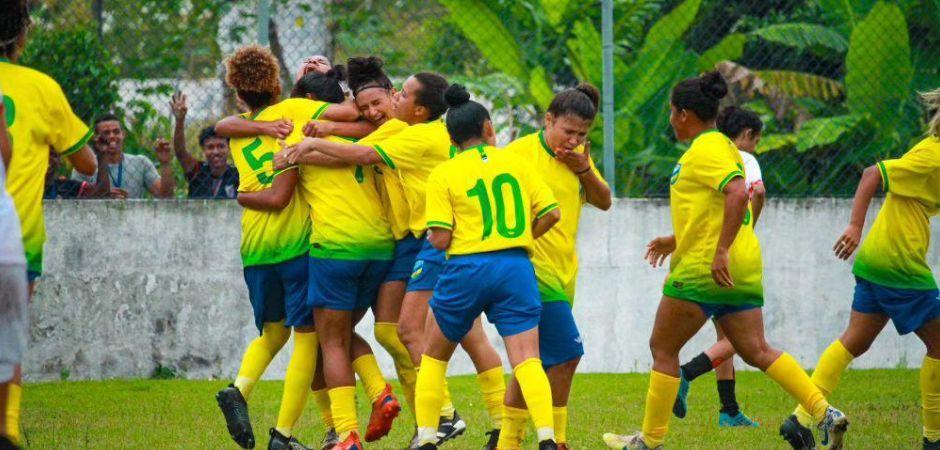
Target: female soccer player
x,y
744,128
561,155
892,278
708,199
38,118
484,207
406,159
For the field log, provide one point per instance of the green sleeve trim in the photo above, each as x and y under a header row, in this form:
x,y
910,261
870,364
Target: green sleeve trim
x,y
731,176
546,210
78,145
320,111
436,224
385,157
884,175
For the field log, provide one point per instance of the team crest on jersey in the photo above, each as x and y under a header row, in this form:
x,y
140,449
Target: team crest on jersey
x,y
416,271
675,174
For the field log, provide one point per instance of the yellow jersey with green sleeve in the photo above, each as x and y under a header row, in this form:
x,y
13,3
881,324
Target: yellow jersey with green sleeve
x,y
39,118
270,237
555,255
894,254
388,184
697,204
412,154
488,198
346,213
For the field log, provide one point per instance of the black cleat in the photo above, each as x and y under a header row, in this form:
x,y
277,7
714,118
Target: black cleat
x,y
450,428
798,436
492,440
7,444
428,446
330,439
235,410
280,442
935,445
548,444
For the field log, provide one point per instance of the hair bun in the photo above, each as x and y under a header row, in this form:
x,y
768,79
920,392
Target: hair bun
x,y
591,92
456,95
337,72
713,85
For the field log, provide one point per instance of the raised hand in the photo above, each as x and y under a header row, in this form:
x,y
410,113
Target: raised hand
x,y
162,149
577,162
178,106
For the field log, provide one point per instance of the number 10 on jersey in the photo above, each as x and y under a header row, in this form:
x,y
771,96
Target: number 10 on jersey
x,y
499,189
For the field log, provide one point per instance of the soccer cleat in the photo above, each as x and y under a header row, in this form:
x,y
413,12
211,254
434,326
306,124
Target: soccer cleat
x,y
833,429
681,407
235,410
280,442
737,420
414,444
7,444
798,436
563,446
330,439
935,445
428,446
450,428
351,442
384,411
632,442
548,444
492,440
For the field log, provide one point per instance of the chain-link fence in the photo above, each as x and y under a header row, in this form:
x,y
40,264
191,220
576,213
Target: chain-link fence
x,y
835,82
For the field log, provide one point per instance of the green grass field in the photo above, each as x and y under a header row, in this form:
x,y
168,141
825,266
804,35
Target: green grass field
x,y
883,406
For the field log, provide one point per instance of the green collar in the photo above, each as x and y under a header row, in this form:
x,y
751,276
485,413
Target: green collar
x,y
545,144
480,149
4,59
256,114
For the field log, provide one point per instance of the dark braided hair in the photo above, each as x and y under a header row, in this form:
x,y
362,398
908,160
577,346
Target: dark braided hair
x,y
14,20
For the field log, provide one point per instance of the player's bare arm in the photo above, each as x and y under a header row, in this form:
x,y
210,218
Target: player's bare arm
x,y
852,236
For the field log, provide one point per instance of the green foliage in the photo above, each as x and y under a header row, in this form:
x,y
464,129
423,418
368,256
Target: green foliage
x,y
804,36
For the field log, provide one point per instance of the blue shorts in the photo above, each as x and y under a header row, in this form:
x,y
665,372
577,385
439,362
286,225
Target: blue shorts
x,y
501,284
279,292
32,275
559,338
406,250
909,309
427,268
344,285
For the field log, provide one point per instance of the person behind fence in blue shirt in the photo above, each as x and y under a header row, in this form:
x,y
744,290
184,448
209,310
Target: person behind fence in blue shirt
x,y
213,178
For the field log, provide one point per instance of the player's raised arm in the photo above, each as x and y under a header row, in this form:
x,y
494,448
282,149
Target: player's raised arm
x,y
179,108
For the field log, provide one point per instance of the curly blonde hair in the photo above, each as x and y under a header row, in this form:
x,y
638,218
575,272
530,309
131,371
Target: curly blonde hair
x,y
931,101
254,69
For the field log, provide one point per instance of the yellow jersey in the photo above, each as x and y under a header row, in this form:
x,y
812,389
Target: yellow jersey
x,y
697,205
39,118
894,254
489,198
270,237
389,186
555,255
412,154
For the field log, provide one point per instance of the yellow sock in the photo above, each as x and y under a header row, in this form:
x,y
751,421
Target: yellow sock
x,y
514,422
387,336
793,379
259,354
560,414
930,397
447,408
14,394
659,399
343,405
493,386
322,397
538,396
297,380
371,375
429,395
826,376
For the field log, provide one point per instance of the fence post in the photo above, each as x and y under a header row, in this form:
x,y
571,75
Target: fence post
x,y
264,17
607,37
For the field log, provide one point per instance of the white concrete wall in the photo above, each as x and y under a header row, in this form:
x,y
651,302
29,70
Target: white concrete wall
x,y
132,285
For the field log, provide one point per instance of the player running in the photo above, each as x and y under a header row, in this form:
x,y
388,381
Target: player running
x,y
715,271
892,278
744,128
484,207
560,153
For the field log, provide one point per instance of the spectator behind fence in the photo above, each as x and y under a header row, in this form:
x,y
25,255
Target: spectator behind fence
x,y
214,177
130,176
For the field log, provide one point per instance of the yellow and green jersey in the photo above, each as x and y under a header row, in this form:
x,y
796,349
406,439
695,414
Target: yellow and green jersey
x,y
698,205
388,184
489,198
270,237
346,213
894,253
554,255
412,154
39,118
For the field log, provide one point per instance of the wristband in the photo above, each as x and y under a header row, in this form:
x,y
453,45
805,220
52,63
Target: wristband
x,y
582,172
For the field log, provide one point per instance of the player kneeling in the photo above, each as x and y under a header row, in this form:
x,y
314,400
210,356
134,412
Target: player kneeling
x,y
484,207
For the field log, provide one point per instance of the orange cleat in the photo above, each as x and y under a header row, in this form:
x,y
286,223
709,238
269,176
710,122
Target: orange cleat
x,y
351,442
384,411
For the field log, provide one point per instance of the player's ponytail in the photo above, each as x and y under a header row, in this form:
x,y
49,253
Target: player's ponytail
x,y
14,21
700,94
931,101
465,118
581,101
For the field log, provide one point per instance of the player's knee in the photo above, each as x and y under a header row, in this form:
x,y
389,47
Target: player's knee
x,y
758,354
661,352
274,336
410,334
